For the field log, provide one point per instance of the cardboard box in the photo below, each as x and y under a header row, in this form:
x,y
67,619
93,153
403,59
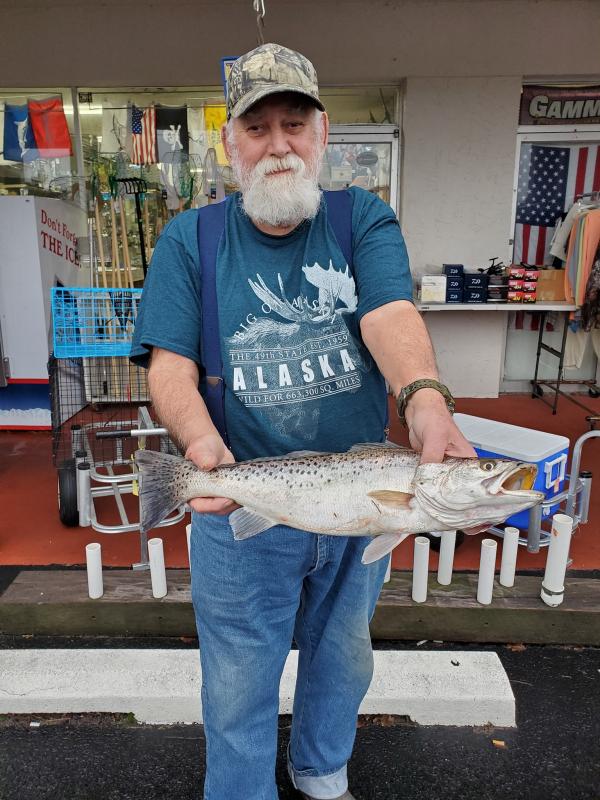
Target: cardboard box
x,y
454,296
454,283
551,285
475,295
453,269
433,289
476,281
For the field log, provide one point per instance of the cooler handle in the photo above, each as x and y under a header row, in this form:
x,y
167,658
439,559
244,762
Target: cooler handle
x,y
561,462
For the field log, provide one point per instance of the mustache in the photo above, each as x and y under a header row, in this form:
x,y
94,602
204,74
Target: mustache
x,y
272,164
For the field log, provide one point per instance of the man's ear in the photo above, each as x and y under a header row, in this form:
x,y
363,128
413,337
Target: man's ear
x,y
325,130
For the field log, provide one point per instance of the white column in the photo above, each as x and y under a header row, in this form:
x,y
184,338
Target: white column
x,y
157,567
487,566
420,569
446,561
93,560
188,534
553,585
508,565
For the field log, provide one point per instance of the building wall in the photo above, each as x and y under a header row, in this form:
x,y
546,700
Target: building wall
x,y
162,43
458,169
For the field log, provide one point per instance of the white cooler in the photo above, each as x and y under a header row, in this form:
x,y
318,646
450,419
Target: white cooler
x,y
547,450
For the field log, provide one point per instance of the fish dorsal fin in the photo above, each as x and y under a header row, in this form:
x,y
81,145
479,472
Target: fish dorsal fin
x,y
245,523
362,446
392,499
381,546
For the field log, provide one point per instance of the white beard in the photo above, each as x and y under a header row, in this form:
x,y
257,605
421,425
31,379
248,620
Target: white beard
x,y
279,200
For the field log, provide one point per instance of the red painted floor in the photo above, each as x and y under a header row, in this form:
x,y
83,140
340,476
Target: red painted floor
x,y
31,533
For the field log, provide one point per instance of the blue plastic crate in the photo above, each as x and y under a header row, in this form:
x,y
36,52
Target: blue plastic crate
x,y
93,322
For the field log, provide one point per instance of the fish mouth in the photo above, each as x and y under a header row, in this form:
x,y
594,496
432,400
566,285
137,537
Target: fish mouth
x,y
519,481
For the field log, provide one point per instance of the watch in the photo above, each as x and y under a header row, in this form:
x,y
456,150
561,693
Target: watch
x,y
423,383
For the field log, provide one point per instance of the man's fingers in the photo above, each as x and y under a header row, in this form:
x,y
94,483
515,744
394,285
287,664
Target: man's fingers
x,y
213,505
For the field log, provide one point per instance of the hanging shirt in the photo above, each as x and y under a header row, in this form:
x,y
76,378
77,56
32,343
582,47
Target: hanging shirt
x,y
296,373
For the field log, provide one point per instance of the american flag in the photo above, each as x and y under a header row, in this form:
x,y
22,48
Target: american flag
x,y
143,135
550,178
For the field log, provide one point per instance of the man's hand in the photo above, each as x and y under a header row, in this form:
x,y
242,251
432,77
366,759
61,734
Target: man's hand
x,y
207,452
432,431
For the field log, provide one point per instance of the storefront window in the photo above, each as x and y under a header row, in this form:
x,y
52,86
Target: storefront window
x,y
37,143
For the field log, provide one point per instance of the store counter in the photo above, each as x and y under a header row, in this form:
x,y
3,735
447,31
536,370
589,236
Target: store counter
x,y
470,345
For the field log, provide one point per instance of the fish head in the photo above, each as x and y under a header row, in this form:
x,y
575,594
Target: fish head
x,y
470,492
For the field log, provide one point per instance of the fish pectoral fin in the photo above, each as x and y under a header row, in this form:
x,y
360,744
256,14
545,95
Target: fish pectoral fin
x,y
477,529
245,523
381,546
392,499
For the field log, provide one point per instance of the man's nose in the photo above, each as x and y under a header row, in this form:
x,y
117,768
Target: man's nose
x,y
278,144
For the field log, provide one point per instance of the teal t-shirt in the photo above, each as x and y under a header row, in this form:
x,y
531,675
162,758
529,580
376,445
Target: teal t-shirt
x,y
296,373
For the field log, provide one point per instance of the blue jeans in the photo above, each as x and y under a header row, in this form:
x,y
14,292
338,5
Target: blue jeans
x,y
250,598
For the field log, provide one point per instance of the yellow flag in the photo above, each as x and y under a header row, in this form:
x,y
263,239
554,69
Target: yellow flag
x,y
214,119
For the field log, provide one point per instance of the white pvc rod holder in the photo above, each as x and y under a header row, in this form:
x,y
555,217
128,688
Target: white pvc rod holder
x,y
188,535
388,571
93,560
553,585
420,569
84,494
446,562
158,575
487,566
510,548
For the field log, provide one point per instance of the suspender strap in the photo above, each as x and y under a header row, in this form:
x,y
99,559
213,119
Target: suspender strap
x,y
211,224
339,214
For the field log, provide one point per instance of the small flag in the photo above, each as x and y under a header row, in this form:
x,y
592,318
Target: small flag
x,y
19,141
143,134
50,128
171,133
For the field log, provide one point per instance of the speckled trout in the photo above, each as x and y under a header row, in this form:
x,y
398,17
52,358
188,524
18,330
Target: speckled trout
x,y
377,490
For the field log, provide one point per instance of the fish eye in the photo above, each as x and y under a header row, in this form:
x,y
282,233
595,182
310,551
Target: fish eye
x,y
487,466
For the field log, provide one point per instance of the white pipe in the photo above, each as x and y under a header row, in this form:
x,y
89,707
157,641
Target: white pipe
x,y
487,566
446,561
420,569
508,565
553,585
388,572
93,560
84,494
188,534
158,575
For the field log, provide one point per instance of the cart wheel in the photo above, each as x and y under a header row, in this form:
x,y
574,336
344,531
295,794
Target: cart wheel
x,y
67,494
594,391
537,391
435,542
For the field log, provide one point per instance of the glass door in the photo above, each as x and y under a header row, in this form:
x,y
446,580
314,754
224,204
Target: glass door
x,y
365,156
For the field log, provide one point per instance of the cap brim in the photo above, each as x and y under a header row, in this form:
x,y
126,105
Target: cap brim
x,y
248,100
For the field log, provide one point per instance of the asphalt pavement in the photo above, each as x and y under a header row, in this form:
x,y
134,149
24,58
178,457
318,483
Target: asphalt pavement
x,y
553,754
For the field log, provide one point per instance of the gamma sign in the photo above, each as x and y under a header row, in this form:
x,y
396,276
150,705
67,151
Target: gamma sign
x,y
558,105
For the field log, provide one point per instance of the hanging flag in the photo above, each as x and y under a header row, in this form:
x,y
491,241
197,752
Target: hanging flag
x,y
50,128
19,141
116,130
214,118
143,135
551,177
171,133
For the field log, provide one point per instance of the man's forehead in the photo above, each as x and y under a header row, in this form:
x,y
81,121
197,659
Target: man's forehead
x,y
285,102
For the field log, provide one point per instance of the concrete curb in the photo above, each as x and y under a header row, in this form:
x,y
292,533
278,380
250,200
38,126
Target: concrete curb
x,y
163,686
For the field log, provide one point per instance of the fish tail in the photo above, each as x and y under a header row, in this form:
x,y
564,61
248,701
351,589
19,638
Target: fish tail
x,y
158,491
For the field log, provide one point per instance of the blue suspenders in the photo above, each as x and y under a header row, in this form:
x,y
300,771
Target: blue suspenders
x,y
211,224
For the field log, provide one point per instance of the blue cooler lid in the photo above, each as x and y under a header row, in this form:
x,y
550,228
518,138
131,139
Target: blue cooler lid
x,y
512,441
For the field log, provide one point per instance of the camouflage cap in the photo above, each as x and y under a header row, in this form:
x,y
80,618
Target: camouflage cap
x,y
266,70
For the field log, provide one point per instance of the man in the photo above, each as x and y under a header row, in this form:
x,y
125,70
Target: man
x,y
306,342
